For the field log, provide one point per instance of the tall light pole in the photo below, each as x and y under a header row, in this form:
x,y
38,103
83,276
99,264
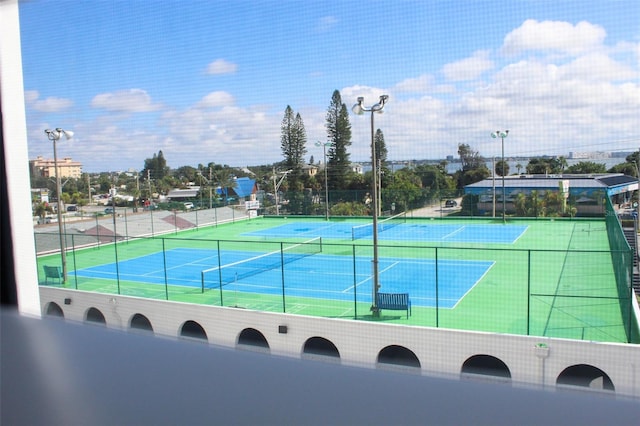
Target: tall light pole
x,y
326,184
54,136
359,109
276,187
502,134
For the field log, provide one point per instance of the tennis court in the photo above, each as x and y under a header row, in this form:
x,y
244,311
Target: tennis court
x,y
558,278
399,230
306,274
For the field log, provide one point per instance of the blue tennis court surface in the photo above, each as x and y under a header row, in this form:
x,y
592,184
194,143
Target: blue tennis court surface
x,y
314,276
455,233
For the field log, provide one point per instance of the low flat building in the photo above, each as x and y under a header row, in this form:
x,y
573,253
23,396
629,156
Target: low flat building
x,y
584,192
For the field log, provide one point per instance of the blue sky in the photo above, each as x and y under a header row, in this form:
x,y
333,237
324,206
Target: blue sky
x,y
208,81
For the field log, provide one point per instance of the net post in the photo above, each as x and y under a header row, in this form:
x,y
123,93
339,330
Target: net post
x,y
202,280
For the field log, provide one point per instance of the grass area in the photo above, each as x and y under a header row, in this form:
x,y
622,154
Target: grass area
x,y
556,279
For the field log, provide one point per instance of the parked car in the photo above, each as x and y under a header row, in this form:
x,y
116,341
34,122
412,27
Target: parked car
x,y
72,208
108,210
450,203
188,206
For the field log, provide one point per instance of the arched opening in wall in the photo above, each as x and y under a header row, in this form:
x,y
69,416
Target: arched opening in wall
x,y
193,330
585,377
319,348
140,323
54,310
396,357
485,367
94,316
251,339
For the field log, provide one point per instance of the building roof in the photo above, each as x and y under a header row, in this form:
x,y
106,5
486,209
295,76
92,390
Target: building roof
x,y
244,186
603,181
184,193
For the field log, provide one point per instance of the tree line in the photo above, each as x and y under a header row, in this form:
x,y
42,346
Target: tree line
x,y
402,189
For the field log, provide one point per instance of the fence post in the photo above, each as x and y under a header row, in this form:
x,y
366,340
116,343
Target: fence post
x,y
284,309
220,274
164,260
75,266
126,225
528,292
437,300
355,283
115,250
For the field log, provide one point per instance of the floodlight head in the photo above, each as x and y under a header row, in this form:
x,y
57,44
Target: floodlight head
x,y
358,108
68,134
56,134
494,134
380,105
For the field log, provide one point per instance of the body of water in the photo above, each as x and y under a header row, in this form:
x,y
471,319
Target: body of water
x,y
455,166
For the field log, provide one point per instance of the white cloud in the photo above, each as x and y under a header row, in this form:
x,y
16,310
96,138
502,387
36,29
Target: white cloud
x,y
371,95
469,68
50,104
31,96
132,100
598,66
216,99
554,37
221,66
421,84
227,134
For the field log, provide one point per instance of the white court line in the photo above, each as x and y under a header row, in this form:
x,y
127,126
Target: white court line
x,y
346,290
453,233
474,284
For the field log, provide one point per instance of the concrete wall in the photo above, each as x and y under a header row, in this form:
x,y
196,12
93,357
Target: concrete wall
x,y
532,361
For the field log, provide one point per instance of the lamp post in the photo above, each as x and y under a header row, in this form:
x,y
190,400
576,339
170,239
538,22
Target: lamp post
x,y
493,185
502,134
326,185
359,109
276,187
54,136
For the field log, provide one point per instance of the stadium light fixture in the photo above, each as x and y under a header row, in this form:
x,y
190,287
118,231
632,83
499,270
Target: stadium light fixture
x,y
55,136
502,134
326,185
360,109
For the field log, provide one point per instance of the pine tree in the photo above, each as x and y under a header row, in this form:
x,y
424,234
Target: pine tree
x,y
381,149
293,143
339,134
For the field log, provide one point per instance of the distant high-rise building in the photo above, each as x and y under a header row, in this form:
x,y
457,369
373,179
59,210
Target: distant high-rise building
x,y
44,167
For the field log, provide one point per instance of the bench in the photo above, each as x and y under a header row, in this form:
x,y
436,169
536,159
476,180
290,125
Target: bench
x,y
53,272
394,302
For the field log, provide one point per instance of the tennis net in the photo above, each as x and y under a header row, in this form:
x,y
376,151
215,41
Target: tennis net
x,y
363,231
222,275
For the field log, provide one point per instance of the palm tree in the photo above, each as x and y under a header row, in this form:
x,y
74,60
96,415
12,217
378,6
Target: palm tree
x,y
518,167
